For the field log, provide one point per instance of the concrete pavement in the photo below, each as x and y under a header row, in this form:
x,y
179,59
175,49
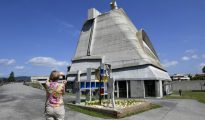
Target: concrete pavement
x,y
173,110
19,102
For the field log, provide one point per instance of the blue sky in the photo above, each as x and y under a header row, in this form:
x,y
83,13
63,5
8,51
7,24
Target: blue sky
x,y
37,36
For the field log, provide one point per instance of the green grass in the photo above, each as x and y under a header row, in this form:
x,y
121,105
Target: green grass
x,y
106,116
72,94
88,112
200,96
35,85
152,106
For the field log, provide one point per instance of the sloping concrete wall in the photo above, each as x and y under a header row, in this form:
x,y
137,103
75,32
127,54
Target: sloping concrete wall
x,y
114,39
83,42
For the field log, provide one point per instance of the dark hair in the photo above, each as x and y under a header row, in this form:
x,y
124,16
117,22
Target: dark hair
x,y
54,76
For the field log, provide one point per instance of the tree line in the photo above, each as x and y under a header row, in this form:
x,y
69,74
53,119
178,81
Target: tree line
x,y
10,79
198,77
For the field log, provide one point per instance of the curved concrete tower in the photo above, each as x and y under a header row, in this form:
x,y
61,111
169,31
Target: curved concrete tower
x,y
112,38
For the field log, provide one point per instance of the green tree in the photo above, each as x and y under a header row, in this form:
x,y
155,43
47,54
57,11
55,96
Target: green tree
x,y
11,77
190,76
203,69
199,77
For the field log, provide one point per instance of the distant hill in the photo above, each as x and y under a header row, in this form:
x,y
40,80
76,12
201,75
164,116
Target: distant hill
x,y
23,78
3,78
19,78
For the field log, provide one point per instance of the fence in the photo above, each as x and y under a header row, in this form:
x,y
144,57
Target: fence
x,y
188,85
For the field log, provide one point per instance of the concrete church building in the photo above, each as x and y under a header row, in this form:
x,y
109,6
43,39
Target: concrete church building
x,y
112,38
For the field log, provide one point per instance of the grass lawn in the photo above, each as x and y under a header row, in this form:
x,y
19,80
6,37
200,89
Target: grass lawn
x,y
88,112
35,85
200,96
152,106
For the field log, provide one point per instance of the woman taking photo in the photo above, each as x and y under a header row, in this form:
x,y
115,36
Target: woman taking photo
x,y
54,106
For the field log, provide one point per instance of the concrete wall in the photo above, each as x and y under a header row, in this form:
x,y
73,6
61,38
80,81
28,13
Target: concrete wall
x,y
188,85
41,79
158,88
137,89
82,66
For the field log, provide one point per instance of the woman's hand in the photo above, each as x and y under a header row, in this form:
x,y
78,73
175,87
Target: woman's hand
x,y
65,81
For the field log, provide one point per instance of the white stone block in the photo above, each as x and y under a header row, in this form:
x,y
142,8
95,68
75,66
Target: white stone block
x,y
93,13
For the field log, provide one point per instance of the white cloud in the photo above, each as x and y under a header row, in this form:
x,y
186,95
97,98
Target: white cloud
x,y
202,65
194,56
190,51
7,61
191,54
185,58
167,63
19,67
47,61
66,24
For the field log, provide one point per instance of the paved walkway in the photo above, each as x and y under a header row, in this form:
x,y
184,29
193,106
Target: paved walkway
x,y
173,110
19,102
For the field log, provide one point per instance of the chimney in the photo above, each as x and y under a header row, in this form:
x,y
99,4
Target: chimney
x,y
113,5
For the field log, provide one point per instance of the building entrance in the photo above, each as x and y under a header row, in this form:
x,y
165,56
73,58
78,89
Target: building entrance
x,y
149,88
122,89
